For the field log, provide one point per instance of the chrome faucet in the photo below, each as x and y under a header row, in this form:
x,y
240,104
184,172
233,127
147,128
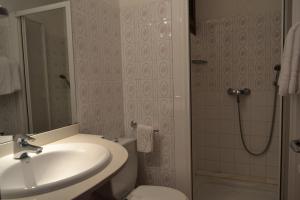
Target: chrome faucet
x,y
22,147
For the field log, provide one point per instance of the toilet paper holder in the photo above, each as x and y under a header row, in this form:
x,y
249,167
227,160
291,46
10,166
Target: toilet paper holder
x,y
134,125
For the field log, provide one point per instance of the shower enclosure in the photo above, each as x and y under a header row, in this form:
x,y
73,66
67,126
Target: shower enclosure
x,y
235,112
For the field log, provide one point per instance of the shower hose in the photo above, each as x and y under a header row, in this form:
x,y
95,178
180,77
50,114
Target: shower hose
x,y
270,136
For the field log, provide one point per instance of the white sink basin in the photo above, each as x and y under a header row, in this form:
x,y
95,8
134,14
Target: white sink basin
x,y
58,166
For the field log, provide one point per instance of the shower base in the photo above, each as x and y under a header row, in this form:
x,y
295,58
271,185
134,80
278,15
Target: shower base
x,y
208,187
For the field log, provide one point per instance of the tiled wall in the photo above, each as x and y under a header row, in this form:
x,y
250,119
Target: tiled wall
x,y
146,66
148,82
98,65
241,52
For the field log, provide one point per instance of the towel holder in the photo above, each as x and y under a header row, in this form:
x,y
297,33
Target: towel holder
x,y
134,125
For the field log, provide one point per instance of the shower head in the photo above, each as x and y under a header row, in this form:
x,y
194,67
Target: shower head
x,y
3,11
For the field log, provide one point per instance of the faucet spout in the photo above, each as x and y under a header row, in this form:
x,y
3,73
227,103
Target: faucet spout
x,y
23,147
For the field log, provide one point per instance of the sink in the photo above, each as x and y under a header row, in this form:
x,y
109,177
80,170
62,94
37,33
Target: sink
x,y
58,166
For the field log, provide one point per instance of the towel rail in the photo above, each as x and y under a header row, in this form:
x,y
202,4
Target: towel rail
x,y
134,125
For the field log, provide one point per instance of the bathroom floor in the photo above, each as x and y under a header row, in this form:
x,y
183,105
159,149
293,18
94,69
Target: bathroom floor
x,y
209,188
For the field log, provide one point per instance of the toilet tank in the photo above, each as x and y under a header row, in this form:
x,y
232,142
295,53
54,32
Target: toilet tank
x,y
125,180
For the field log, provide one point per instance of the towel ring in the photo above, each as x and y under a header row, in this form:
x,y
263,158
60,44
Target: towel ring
x,y
134,125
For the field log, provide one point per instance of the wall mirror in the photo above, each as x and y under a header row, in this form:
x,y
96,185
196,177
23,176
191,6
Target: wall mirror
x,y
36,70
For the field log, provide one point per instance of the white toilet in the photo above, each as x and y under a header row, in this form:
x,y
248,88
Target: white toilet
x,y
123,183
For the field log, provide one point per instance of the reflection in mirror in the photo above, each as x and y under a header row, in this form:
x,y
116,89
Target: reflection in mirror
x,y
11,118
36,73
46,69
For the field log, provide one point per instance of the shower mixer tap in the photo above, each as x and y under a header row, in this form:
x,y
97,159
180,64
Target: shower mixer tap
x,y
246,92
239,92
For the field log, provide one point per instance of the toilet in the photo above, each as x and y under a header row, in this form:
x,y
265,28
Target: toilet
x,y
123,183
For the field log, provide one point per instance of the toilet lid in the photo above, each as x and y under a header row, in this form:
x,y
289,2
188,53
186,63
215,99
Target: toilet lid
x,y
156,193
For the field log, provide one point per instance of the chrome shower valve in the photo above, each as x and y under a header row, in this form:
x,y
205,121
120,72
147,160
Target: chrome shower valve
x,y
239,92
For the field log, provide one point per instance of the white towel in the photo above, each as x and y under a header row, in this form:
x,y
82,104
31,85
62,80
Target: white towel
x,y
145,140
9,76
288,80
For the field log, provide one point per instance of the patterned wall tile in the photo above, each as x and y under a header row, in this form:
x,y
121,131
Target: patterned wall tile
x,y
148,83
98,65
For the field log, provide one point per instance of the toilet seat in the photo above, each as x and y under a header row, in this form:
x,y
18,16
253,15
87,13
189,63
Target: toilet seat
x,y
146,192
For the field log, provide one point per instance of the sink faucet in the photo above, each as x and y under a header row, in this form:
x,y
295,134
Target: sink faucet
x,y
22,147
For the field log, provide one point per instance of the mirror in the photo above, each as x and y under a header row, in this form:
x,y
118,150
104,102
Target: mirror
x,y
37,91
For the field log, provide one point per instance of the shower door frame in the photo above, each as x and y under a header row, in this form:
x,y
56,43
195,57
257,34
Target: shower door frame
x,y
181,96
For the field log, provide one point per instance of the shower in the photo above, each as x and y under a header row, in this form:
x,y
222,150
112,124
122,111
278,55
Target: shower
x,y
3,11
235,106
246,92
